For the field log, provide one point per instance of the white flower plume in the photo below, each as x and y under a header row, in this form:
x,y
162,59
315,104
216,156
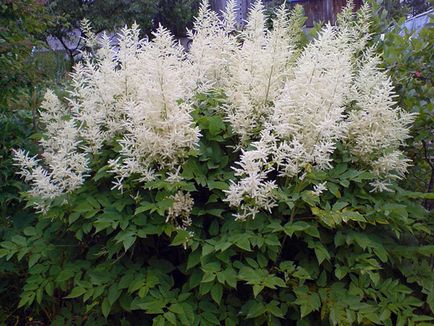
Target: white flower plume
x,y
331,95
258,69
157,128
64,166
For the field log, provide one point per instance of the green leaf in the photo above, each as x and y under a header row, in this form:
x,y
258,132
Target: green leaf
x,y
256,309
308,197
419,195
127,238
19,240
321,252
170,317
218,185
105,307
76,292
212,267
30,231
158,321
102,173
273,308
49,288
26,299
65,275
208,277
181,237
341,272
144,206
257,288
217,292
207,249
216,125
273,281
193,259
230,277
113,294
73,217
243,243
34,259
248,274
298,226
210,318
308,301
334,189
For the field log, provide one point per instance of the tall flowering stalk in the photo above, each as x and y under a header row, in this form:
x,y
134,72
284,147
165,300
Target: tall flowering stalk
x,y
158,128
258,69
64,167
213,43
377,127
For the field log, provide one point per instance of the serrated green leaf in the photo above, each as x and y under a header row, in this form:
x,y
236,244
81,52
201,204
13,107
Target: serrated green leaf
x,y
256,309
76,292
105,307
113,294
257,288
193,259
217,292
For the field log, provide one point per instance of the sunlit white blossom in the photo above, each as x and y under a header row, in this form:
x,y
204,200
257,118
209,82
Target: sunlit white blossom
x,y
319,188
213,43
377,127
63,166
253,191
257,69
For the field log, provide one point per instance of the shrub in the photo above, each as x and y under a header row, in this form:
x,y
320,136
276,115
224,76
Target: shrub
x,y
245,182
22,22
408,56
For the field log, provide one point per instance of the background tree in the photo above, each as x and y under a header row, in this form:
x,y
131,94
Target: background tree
x,y
408,56
22,27
110,15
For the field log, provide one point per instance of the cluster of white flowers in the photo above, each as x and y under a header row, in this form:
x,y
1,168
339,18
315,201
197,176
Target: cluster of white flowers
x,y
131,95
290,107
64,166
250,66
258,69
212,44
319,188
253,192
334,93
157,126
377,127
179,213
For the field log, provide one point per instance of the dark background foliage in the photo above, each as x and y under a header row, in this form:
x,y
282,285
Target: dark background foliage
x,y
109,15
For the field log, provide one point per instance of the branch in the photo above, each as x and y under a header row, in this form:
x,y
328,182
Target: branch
x,y
425,151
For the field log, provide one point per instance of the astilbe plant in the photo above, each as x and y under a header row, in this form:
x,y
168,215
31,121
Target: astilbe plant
x,y
245,181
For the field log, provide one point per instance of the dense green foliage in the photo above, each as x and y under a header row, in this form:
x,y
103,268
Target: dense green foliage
x,y
22,79
410,60
408,57
21,23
